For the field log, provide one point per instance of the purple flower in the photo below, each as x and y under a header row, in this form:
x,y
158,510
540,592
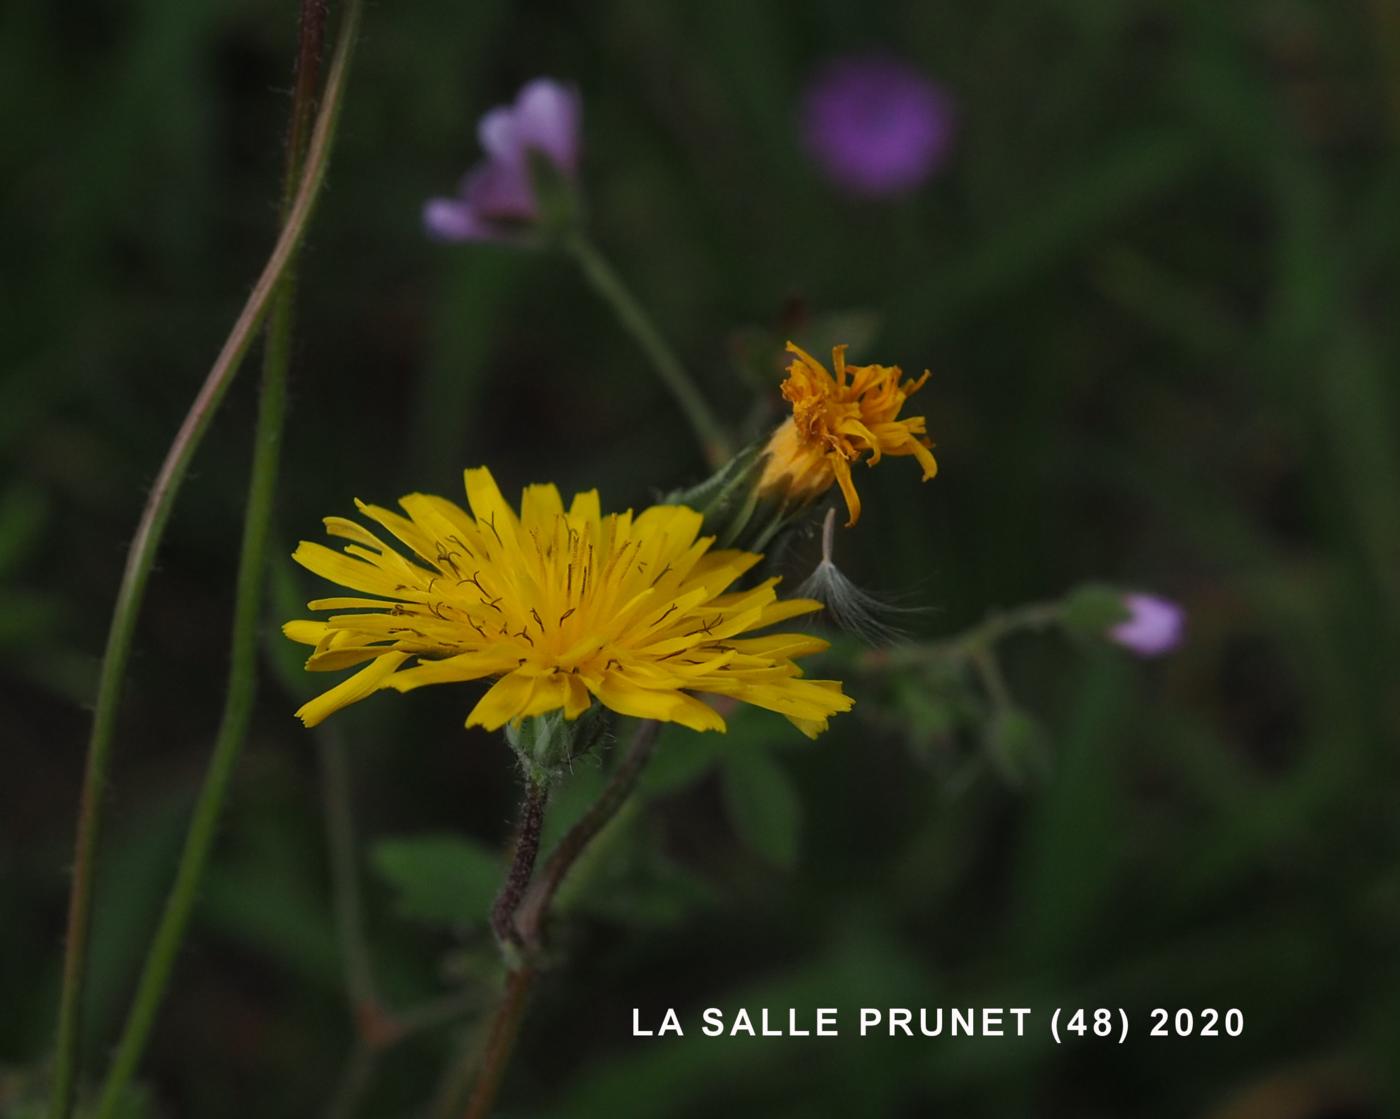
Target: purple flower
x,y
497,198
876,125
1154,625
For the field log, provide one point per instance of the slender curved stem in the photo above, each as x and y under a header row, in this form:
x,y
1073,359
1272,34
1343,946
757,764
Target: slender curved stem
x,y
140,558
456,1076
500,1043
984,660
971,643
609,286
527,915
505,1025
522,865
242,671
531,914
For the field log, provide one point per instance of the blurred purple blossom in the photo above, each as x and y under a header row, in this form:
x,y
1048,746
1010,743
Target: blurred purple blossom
x,y
876,125
1154,625
497,198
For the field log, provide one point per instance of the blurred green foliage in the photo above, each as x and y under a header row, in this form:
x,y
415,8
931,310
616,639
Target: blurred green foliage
x,y
442,879
1157,289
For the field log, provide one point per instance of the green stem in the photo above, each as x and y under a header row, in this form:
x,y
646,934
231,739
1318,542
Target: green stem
x,y
527,914
970,644
609,286
140,558
532,911
500,1042
275,282
522,866
989,672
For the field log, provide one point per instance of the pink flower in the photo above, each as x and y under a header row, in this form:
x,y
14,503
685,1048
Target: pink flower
x,y
496,200
1154,625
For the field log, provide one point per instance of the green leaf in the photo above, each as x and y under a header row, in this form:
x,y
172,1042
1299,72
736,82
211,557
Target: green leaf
x,y
762,805
440,879
272,910
681,759
643,888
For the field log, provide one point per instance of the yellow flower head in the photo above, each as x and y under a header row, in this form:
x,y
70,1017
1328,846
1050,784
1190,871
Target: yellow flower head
x,y
837,419
556,607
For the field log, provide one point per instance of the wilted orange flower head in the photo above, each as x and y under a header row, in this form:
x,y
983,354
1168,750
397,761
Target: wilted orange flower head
x,y
835,421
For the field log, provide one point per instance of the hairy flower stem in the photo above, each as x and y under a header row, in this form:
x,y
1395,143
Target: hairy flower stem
x,y
984,660
608,284
522,865
141,557
970,645
530,916
525,921
500,1043
154,518
505,1025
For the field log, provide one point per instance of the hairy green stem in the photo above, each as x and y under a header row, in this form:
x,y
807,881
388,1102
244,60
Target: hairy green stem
x,y
527,913
271,287
500,1042
609,286
984,660
522,866
534,908
140,559
971,643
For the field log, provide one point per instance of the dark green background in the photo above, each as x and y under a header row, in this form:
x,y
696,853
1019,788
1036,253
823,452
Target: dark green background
x,y
1157,286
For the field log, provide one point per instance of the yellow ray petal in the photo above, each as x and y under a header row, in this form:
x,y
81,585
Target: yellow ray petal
x,y
783,609
452,670
585,509
365,682
492,512
540,506
355,574
305,631
627,698
776,645
503,701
